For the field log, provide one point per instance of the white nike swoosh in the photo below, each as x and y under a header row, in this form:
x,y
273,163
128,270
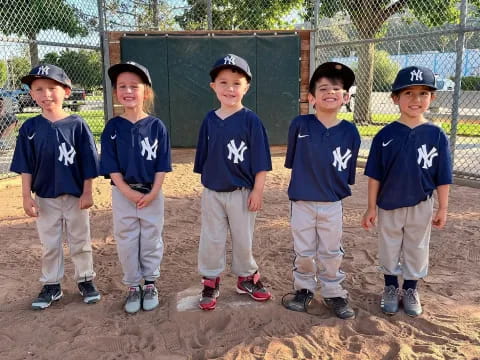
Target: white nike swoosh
x,y
386,144
302,136
113,137
31,137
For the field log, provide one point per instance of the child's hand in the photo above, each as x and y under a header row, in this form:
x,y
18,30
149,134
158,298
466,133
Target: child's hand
x,y
134,196
86,200
146,200
30,206
368,220
440,218
255,200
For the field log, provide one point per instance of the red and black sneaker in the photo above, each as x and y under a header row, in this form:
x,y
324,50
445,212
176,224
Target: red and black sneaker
x,y
210,292
252,286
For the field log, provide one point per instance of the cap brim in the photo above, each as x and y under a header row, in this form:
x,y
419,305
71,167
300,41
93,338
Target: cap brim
x,y
214,72
117,69
28,79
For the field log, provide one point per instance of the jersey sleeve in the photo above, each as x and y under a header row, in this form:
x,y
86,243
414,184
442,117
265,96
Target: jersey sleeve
x,y
89,155
202,147
444,172
108,156
261,159
355,150
292,143
164,158
374,168
23,159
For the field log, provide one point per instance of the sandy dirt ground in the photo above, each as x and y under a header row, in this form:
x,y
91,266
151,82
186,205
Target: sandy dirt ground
x,y
239,328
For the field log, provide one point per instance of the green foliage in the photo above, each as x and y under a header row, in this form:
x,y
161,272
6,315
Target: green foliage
x,y
3,73
384,71
471,83
84,67
18,67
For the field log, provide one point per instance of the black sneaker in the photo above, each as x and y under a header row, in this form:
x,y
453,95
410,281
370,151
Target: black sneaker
x,y
89,292
49,294
300,301
340,307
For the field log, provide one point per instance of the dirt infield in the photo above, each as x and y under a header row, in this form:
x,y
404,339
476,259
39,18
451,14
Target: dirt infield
x,y
238,328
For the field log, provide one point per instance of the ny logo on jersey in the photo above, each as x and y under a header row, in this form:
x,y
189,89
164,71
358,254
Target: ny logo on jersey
x,y
230,60
417,74
236,152
150,150
66,155
340,161
427,157
43,70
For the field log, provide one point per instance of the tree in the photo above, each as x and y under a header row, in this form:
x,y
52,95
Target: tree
x,y
384,71
368,17
17,67
238,14
29,17
3,73
84,67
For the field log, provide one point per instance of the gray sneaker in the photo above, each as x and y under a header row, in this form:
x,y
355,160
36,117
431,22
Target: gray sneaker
x,y
150,297
134,300
390,300
411,302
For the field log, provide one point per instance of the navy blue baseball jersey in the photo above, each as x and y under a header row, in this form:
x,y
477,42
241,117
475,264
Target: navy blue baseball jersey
x,y
323,160
408,163
230,152
136,150
60,155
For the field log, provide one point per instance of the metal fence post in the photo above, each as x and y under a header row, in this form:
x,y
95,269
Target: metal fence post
x,y
107,89
458,78
209,15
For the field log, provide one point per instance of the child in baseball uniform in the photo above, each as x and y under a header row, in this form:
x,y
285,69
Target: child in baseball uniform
x,y
322,153
136,156
233,157
408,160
57,159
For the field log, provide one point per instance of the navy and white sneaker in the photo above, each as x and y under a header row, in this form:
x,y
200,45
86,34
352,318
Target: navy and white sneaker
x,y
411,302
49,294
390,300
150,297
89,292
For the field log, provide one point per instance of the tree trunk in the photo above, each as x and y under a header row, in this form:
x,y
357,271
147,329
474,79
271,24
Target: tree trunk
x,y
362,112
33,47
155,14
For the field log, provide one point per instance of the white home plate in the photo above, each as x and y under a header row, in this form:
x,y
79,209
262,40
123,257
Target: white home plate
x,y
187,300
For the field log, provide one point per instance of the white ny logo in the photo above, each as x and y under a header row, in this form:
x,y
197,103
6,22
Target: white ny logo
x,y
417,74
66,155
236,152
43,70
426,157
229,59
150,149
339,160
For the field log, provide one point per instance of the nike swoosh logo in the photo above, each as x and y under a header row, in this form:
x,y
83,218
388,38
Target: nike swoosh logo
x,y
386,144
113,137
31,137
302,136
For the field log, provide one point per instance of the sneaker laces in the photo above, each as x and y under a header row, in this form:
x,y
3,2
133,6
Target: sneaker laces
x,y
255,281
88,287
48,290
149,291
208,291
412,296
133,293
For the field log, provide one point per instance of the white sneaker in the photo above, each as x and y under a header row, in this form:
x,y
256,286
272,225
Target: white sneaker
x,y
133,302
150,297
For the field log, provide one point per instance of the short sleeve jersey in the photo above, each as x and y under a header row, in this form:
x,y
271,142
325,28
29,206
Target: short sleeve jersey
x,y
323,160
59,155
136,150
230,152
409,163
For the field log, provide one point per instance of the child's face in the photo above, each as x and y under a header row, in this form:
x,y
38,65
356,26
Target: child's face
x,y
49,94
329,95
230,87
130,90
414,100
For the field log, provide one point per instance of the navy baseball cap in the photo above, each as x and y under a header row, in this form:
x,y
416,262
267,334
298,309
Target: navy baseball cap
x,y
47,71
231,61
414,75
333,70
129,66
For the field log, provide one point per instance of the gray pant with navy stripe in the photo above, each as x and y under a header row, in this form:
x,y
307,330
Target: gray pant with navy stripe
x,y
317,241
138,233
56,216
404,239
221,212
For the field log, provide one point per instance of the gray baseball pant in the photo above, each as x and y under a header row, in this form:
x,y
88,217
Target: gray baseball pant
x,y
223,211
138,233
317,241
58,215
404,238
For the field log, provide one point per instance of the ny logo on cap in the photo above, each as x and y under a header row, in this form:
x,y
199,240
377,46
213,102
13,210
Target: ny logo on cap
x,y
229,59
43,70
417,74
